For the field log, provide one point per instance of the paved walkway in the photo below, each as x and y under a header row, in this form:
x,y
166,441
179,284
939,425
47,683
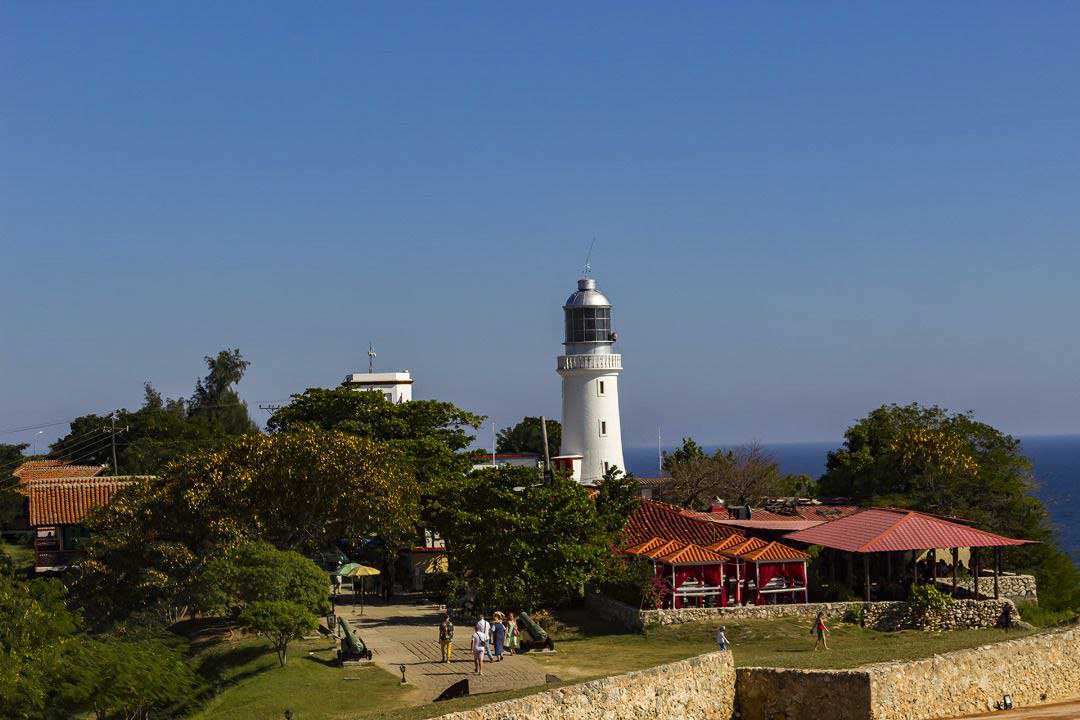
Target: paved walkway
x,y
409,635
1058,711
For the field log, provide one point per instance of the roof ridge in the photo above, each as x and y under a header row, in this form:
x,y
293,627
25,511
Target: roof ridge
x,y
907,516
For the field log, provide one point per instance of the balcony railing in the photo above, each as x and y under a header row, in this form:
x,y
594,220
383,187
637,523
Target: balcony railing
x,y
590,362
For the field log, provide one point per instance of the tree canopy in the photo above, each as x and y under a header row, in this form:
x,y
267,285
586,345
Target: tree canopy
x,y
534,546
528,437
300,490
163,429
746,474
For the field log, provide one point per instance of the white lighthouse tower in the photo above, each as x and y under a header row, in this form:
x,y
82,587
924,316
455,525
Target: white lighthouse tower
x,y
591,431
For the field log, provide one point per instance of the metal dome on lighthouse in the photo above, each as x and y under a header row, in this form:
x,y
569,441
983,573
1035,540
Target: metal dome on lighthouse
x,y
592,431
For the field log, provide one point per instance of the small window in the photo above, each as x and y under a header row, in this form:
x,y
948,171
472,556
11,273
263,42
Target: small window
x,y
600,390
388,397
606,467
603,428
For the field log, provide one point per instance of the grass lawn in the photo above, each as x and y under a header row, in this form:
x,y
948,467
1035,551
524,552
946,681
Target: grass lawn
x,y
253,686
256,688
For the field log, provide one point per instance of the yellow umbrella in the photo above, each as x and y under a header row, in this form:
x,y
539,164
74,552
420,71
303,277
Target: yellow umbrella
x,y
361,571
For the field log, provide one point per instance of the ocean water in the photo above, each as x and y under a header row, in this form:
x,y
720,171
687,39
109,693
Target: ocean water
x,y
1056,459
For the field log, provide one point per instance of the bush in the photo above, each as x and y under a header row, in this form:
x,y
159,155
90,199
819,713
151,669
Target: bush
x,y
853,615
1041,616
927,604
630,581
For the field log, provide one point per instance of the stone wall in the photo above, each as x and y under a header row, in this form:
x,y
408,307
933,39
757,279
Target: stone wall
x,y
959,614
1036,669
1014,587
884,616
701,688
772,694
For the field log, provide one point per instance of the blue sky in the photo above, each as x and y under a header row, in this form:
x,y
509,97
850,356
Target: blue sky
x,y
803,210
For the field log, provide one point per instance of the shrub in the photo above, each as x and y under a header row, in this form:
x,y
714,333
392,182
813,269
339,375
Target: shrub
x,y
927,605
279,621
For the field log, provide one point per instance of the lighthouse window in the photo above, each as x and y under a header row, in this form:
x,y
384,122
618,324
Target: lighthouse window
x,y
603,428
600,387
589,324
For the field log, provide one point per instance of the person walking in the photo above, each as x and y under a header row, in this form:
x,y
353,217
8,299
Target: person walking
x,y
478,643
446,638
821,631
721,638
498,636
484,628
513,635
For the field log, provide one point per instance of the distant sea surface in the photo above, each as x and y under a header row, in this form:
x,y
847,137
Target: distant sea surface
x,y
1056,459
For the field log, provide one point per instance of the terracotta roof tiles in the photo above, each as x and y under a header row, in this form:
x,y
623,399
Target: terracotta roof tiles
x,y
68,503
644,547
656,519
774,552
692,554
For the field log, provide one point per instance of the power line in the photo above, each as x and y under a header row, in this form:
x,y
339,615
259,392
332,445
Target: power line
x,y
12,431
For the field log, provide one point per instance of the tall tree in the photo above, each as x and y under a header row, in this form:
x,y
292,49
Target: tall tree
x,y
300,490
518,543
11,502
163,429
687,451
932,460
528,437
745,474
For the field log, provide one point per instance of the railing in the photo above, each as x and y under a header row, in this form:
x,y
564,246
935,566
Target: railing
x,y
590,362
54,558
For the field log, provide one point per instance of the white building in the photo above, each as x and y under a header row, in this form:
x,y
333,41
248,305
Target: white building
x,y
591,430
395,386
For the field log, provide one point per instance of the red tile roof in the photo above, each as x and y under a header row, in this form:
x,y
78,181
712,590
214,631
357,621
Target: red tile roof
x,y
692,555
60,471
656,519
774,552
802,513
67,503
644,547
669,546
727,542
36,465
744,547
887,530
787,525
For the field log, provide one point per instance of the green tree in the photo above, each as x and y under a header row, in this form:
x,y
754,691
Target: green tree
x,y
616,501
534,546
689,450
929,459
280,622
11,502
528,437
163,430
300,490
131,679
257,571
35,627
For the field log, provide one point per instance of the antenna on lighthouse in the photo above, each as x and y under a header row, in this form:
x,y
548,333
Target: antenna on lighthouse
x,y
370,357
588,257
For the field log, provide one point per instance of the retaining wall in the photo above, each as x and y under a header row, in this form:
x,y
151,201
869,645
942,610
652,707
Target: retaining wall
x,y
1033,670
1014,587
884,616
701,688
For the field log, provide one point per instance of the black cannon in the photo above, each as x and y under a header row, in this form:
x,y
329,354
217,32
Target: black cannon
x,y
538,637
352,647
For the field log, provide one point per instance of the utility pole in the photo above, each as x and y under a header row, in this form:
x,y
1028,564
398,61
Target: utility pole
x,y
492,442
547,453
112,417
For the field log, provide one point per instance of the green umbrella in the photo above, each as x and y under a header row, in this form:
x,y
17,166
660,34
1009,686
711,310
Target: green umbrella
x,y
347,569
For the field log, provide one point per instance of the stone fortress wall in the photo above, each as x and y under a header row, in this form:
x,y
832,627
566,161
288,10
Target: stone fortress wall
x,y
1036,669
701,688
1018,588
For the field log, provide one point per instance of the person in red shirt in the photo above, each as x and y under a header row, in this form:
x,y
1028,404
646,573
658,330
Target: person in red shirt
x,y
821,631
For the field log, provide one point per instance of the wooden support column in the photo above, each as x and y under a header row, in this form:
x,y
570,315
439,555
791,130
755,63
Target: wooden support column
x,y
849,562
955,562
914,568
866,576
933,566
997,572
976,569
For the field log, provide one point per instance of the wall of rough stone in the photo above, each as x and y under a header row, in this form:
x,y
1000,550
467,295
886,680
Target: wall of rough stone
x,y
885,616
701,688
1014,587
891,616
780,694
1036,669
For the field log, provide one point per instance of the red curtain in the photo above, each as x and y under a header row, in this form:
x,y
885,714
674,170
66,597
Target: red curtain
x,y
709,574
793,572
